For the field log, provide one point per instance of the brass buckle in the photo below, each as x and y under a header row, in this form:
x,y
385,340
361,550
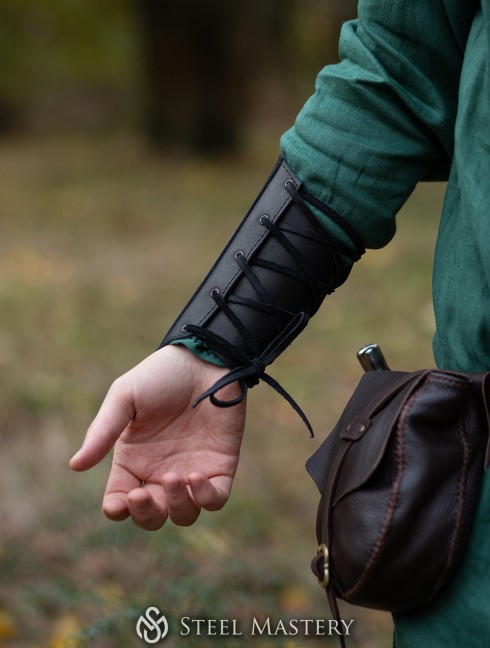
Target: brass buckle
x,y
323,551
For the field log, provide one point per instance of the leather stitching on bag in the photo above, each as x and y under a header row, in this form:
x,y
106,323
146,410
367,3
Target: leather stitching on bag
x,y
458,526
462,487
399,458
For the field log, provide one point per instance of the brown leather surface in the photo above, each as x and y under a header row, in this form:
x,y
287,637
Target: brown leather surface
x,y
399,478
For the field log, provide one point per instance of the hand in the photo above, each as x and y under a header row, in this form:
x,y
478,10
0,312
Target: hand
x,y
170,460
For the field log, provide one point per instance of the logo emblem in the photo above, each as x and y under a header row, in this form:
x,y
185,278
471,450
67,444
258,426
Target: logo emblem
x,y
152,626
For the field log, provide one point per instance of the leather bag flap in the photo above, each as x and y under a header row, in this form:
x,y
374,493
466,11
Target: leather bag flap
x,y
374,389
363,459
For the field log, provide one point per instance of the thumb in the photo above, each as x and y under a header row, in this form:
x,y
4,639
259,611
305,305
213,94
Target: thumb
x,y
115,413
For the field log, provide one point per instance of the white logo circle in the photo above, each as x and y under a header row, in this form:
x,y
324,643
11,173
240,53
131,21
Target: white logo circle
x,y
152,629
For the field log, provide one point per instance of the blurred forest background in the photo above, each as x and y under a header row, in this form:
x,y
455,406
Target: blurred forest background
x,y
189,73
133,136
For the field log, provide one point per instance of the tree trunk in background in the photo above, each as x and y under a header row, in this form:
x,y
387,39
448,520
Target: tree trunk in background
x,y
209,65
195,97
201,60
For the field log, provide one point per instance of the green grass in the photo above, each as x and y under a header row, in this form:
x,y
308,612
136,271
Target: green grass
x,y
101,244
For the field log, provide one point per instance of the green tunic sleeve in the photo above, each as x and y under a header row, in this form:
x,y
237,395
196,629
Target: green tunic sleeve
x,y
382,118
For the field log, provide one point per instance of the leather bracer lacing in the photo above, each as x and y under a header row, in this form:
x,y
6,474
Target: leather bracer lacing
x,y
269,280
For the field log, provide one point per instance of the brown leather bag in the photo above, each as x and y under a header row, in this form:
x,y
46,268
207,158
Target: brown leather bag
x,y
399,478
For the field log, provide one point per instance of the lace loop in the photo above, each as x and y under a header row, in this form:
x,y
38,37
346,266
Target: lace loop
x,y
249,375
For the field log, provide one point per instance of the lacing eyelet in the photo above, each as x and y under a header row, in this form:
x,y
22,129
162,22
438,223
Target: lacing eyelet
x,y
184,328
239,253
263,218
290,182
215,291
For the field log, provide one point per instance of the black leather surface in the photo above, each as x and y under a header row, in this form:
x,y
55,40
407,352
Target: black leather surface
x,y
254,241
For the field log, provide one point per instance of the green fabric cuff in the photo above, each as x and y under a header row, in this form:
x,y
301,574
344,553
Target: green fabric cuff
x,y
201,350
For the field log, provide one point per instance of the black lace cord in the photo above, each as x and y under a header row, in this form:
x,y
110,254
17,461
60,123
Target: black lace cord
x,y
248,272
250,370
223,306
262,293
300,196
279,313
288,272
253,369
310,278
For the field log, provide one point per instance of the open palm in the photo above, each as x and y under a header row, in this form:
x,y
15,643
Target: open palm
x,y
170,459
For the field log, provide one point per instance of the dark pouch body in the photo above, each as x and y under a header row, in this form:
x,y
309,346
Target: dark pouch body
x,y
399,478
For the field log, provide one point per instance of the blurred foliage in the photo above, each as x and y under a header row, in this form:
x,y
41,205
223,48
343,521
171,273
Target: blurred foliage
x,y
69,60
188,73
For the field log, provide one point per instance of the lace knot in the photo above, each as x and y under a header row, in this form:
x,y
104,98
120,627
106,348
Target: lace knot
x,y
259,367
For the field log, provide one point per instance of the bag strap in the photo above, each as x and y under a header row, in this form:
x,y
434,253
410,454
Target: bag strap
x,y
334,608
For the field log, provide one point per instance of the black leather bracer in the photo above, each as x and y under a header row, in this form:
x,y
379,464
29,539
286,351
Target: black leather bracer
x,y
269,280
